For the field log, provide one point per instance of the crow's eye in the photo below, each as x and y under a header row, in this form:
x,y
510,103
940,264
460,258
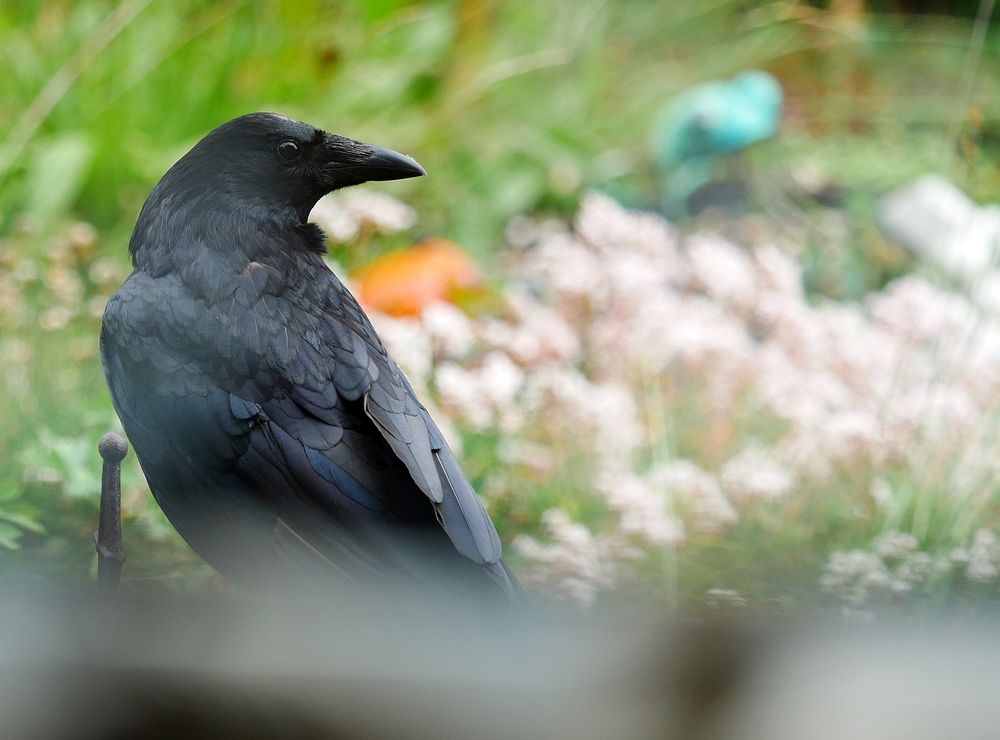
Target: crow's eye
x,y
288,151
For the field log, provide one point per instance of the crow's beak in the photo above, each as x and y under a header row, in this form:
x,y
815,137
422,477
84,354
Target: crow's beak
x,y
385,164
353,162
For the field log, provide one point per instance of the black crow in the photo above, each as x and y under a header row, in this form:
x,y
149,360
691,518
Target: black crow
x,y
273,428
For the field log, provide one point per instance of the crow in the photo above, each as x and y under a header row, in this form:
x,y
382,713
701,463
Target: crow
x,y
273,428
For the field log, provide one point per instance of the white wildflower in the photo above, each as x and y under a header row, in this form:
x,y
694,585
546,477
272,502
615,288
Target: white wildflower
x,y
854,574
778,273
575,564
537,457
723,270
698,492
535,333
643,509
408,344
500,381
915,309
342,215
460,394
881,492
983,555
895,545
604,224
755,474
450,330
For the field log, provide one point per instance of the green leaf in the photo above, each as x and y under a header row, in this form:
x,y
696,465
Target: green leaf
x,y
9,536
56,174
24,522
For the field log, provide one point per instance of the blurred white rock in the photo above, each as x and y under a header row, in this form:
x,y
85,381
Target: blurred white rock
x,y
941,225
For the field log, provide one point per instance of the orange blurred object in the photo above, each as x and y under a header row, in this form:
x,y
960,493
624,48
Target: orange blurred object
x,y
402,283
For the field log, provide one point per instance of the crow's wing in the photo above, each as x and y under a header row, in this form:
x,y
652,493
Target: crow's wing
x,y
359,368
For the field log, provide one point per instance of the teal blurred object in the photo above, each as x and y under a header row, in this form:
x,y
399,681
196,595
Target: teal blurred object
x,y
706,123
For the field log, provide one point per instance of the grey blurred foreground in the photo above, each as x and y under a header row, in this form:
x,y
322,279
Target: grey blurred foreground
x,y
233,667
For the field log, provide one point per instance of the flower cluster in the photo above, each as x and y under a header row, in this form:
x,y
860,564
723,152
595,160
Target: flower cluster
x,y
346,214
681,382
895,567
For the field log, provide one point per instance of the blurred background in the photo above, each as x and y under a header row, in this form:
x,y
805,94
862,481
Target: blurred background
x,y
706,293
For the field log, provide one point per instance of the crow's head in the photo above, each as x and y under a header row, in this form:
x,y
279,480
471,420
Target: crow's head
x,y
269,161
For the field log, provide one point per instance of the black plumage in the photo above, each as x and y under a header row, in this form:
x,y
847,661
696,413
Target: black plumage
x,y
271,424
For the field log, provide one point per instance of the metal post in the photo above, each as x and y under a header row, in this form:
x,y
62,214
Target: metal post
x,y
108,537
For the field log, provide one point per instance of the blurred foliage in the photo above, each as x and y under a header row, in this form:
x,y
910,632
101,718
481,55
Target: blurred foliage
x,y
512,107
